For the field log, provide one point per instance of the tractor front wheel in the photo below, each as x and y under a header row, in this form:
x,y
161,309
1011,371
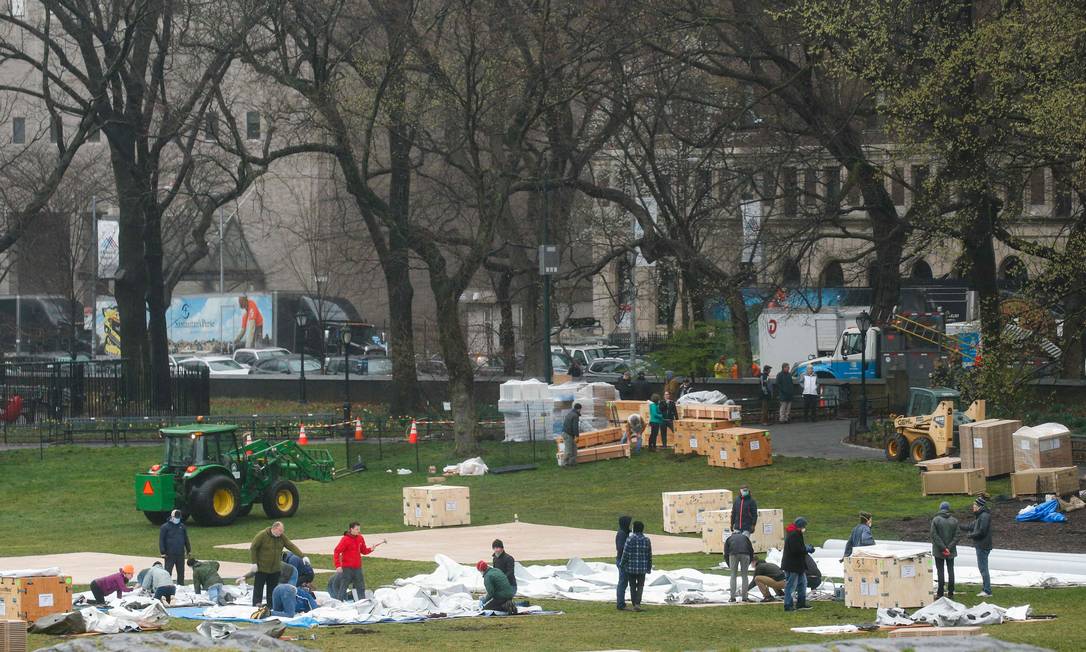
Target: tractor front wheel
x,y
896,447
923,448
281,499
158,518
215,501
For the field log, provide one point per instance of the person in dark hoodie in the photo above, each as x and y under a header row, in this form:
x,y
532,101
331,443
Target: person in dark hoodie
x,y
738,551
504,562
173,545
861,535
794,565
981,534
744,511
620,542
944,547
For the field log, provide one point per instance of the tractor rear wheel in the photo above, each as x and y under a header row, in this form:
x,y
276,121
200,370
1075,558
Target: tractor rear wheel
x,y
215,501
923,448
896,447
281,499
158,518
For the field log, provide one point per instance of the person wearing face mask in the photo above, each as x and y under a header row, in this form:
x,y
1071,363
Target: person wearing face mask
x,y
744,512
173,545
266,555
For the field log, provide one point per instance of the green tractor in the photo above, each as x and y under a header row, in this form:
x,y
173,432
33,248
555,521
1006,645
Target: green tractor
x,y
207,475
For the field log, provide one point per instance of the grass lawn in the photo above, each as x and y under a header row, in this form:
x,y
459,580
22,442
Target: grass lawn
x,y
80,499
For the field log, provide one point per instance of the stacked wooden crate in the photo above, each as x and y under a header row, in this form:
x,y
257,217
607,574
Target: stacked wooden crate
x,y
12,635
596,445
30,598
888,581
767,533
692,435
436,506
1043,461
684,511
740,448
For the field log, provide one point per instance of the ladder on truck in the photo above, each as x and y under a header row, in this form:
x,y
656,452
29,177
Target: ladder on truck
x,y
935,336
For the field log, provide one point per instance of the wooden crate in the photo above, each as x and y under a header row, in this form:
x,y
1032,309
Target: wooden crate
x,y
597,453
13,635
623,410
1046,452
691,436
1037,482
717,412
969,482
740,448
872,582
30,598
768,532
684,511
597,437
436,506
940,464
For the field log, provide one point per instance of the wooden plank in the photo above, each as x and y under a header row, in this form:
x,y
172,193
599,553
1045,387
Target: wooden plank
x,y
909,632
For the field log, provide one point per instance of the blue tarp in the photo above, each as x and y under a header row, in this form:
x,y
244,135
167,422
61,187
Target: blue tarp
x,y
1046,512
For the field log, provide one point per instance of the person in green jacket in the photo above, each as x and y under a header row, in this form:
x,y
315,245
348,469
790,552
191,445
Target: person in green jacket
x,y
205,575
656,420
499,592
266,555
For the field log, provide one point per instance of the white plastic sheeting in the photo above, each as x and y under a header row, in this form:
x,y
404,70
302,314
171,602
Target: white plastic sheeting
x,y
32,572
121,619
1018,568
945,612
473,466
184,597
707,398
581,580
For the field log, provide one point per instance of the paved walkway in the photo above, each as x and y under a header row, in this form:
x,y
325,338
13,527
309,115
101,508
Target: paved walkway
x,y
821,439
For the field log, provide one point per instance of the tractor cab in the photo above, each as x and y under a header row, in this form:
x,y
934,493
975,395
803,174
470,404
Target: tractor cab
x,y
930,427
926,400
199,446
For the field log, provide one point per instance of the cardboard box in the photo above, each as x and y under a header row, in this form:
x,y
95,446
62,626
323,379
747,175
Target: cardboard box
x,y
987,445
872,582
436,506
940,464
30,598
684,511
909,632
692,435
969,482
1047,446
1038,482
768,531
13,635
740,448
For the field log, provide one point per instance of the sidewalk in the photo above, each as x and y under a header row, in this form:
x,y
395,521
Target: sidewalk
x,y
821,439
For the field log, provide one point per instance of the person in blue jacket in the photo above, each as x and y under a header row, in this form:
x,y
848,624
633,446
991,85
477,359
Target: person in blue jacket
x,y
861,534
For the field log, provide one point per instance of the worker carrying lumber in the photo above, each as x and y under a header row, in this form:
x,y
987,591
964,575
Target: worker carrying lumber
x,y
158,583
744,511
504,562
571,429
981,534
769,578
738,551
205,575
115,583
794,564
499,593
266,555
944,547
861,534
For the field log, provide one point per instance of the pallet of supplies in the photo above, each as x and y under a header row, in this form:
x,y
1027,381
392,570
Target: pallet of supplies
x,y
969,482
740,448
684,511
987,445
879,577
768,532
1040,482
709,411
596,445
12,635
30,598
623,409
692,435
436,506
1047,446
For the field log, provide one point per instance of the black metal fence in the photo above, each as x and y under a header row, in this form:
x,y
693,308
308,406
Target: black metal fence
x,y
43,392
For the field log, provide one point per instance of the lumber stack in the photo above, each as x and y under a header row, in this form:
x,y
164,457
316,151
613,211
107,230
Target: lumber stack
x,y
596,445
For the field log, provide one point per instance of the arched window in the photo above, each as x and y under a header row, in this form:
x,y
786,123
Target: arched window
x,y
833,276
790,274
1013,273
921,271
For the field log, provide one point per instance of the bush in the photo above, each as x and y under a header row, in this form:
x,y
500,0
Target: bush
x,y
693,351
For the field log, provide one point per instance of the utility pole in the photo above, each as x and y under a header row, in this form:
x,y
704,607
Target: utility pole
x,y
221,274
548,265
94,274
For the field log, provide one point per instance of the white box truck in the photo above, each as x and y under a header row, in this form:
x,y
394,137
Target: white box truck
x,y
793,336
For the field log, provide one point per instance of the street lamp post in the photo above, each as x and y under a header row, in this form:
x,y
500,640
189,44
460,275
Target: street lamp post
x,y
863,322
345,338
301,320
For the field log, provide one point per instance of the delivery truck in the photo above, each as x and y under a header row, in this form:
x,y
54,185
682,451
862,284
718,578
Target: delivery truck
x,y
794,336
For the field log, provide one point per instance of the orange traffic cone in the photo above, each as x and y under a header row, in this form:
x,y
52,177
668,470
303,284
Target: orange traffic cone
x,y
413,434
358,436
302,439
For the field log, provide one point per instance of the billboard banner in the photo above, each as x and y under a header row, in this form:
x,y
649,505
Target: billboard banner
x,y
108,250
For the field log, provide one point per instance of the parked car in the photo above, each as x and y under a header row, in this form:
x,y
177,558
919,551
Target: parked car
x,y
334,366
433,366
216,365
249,357
610,370
286,364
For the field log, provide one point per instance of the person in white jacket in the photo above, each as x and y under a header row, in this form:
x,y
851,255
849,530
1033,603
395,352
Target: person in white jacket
x,y
810,394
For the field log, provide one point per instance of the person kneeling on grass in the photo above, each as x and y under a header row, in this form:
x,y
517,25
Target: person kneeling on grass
x,y
284,600
158,582
118,582
205,575
499,592
769,578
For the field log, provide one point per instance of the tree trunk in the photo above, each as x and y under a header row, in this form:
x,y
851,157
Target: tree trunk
x,y
506,336
744,356
461,373
159,347
889,243
401,332
980,252
131,282
529,296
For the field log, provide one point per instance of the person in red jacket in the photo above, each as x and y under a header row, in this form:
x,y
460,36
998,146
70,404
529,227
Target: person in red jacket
x,y
348,560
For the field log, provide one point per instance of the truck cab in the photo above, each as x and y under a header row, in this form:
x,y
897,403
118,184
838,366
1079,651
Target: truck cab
x,y
844,362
